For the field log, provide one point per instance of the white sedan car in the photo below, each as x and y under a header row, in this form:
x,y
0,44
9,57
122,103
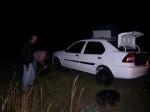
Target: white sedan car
x,y
105,58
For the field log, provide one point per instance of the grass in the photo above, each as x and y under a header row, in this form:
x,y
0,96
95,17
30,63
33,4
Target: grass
x,y
73,91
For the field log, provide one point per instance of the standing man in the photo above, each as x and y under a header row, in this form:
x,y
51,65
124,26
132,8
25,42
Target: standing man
x,y
27,59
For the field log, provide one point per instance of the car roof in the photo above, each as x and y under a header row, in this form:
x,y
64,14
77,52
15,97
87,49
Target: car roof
x,y
110,47
102,39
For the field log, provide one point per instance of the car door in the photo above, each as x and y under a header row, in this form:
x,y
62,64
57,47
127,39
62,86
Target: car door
x,y
91,56
71,56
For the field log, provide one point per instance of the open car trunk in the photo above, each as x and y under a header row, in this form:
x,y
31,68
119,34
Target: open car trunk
x,y
141,58
127,43
127,40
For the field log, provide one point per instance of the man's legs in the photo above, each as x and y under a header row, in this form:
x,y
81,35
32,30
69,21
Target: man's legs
x,y
35,65
32,75
26,76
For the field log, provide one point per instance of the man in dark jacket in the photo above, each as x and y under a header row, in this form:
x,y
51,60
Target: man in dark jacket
x,y
27,59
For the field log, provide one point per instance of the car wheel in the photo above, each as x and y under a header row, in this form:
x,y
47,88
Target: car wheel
x,y
104,76
57,63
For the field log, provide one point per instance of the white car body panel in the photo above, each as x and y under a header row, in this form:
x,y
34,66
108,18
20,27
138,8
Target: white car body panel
x,y
112,58
124,72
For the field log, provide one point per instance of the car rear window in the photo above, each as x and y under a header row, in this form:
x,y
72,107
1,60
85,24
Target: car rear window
x,y
114,43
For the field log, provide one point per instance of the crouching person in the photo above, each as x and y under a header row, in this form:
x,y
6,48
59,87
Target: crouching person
x,y
40,58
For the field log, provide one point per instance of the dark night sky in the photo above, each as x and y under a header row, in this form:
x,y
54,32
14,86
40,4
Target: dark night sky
x,y
67,20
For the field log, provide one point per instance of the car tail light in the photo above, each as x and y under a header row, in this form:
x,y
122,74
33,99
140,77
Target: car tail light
x,y
129,58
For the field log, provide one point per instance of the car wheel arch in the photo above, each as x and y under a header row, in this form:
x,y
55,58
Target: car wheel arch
x,y
101,69
56,58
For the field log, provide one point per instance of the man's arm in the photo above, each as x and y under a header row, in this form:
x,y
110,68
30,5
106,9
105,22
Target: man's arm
x,y
42,63
26,55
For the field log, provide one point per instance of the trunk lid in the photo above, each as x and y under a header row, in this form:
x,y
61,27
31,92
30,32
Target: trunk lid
x,y
128,39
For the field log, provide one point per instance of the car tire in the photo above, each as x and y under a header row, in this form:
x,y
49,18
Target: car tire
x,y
57,63
104,76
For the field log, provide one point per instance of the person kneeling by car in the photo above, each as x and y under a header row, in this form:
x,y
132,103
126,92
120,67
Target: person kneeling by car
x,y
40,58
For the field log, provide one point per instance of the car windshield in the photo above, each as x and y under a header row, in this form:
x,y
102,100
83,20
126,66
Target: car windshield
x,y
128,48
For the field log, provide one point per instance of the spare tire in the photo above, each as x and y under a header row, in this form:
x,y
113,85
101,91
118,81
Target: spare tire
x,y
107,97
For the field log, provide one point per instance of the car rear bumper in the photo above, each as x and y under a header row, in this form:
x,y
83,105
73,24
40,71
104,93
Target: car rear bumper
x,y
129,72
